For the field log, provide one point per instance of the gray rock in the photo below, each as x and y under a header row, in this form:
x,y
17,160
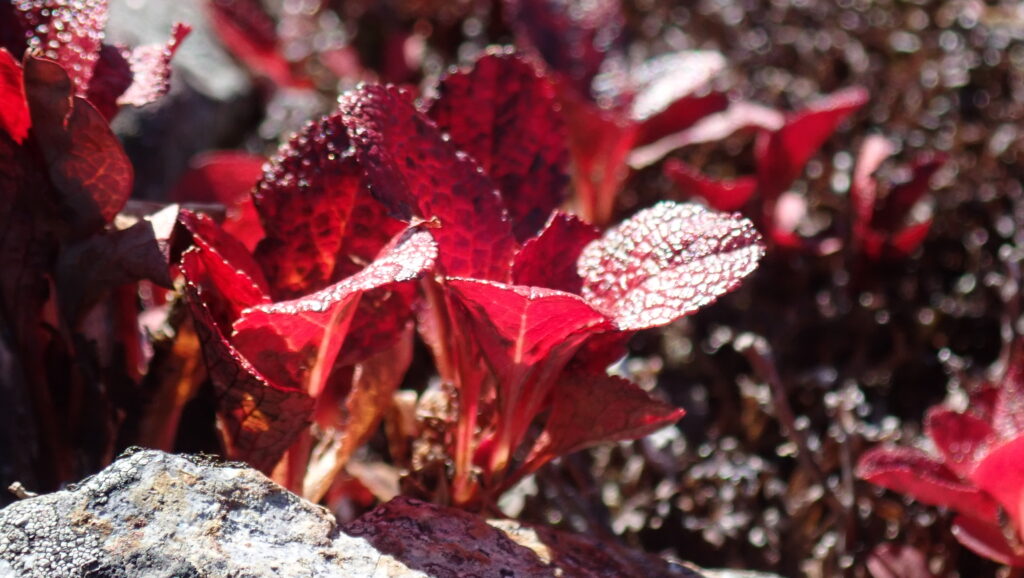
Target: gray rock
x,y
158,515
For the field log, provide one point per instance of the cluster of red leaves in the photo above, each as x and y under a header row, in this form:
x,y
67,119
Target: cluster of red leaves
x,y
523,306
64,180
973,471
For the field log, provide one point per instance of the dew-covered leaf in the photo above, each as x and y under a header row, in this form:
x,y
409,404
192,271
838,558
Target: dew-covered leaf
x,y
782,154
590,409
297,342
151,69
721,195
927,479
68,32
667,261
549,259
321,226
227,178
259,419
89,169
504,114
417,174
14,116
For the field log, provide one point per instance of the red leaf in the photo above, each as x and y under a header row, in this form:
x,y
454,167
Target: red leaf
x,y
259,418
667,261
67,31
782,154
668,97
722,195
961,438
999,474
14,116
151,69
504,114
87,165
902,198
573,39
986,539
599,140
587,410
297,342
863,187
910,471
320,225
112,76
230,281
415,173
248,32
227,178
898,561
549,259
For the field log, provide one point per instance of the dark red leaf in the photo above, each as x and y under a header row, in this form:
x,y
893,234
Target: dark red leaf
x,y
721,195
14,116
320,224
414,172
89,268
573,39
667,261
504,114
227,178
297,342
587,410
986,539
88,167
901,199
961,438
66,31
259,419
151,69
113,76
782,154
913,472
549,259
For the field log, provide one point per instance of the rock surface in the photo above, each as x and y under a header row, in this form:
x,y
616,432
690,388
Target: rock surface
x,y
158,515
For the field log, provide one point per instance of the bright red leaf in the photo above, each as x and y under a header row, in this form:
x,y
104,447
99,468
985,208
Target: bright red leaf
x,y
14,115
549,259
667,261
722,195
227,178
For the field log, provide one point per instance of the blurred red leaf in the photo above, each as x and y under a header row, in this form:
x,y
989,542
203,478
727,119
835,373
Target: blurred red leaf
x,y
248,32
417,174
988,540
14,115
961,438
898,561
722,195
667,261
911,471
783,153
505,115
549,259
227,178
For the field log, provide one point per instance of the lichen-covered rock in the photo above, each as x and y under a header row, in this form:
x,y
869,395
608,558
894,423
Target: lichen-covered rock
x,y
158,515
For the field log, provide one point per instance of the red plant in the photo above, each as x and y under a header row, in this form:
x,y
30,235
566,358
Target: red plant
x,y
975,470
521,331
